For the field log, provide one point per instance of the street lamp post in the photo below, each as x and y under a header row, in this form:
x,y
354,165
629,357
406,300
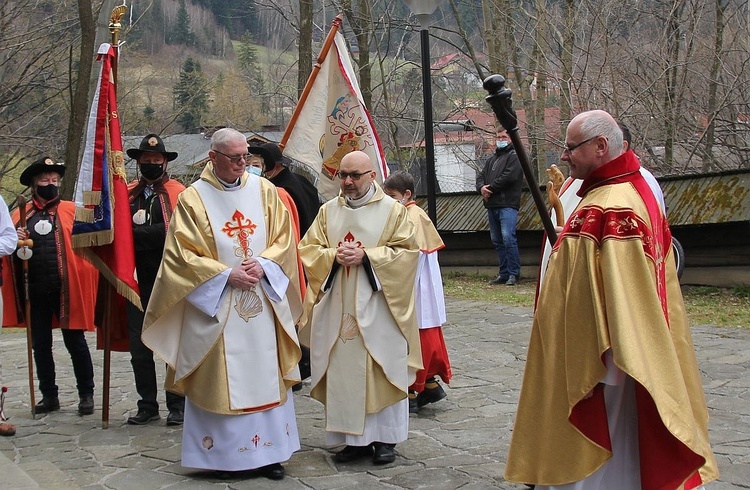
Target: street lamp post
x,y
423,10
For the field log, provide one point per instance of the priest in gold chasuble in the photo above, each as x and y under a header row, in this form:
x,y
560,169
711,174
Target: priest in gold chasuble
x,y
611,395
223,313
360,256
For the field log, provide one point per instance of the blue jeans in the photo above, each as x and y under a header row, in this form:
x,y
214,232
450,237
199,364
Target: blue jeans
x,y
503,234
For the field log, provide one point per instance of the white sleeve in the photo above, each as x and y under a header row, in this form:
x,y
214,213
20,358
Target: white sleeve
x,y
207,296
8,235
275,282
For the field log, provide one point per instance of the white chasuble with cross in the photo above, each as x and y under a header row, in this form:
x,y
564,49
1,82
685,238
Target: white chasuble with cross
x,y
361,329
239,230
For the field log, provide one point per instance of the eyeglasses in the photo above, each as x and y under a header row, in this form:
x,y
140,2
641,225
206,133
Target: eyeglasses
x,y
354,175
570,149
234,159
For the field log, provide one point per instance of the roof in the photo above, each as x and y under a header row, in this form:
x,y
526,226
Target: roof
x,y
706,199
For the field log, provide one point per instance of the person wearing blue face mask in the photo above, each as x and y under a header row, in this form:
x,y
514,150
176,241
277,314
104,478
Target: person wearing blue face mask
x,y
152,199
499,182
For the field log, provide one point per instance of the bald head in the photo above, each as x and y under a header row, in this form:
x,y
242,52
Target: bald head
x,y
356,174
592,139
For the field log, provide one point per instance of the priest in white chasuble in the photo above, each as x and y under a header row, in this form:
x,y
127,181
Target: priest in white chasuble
x,y
222,315
360,257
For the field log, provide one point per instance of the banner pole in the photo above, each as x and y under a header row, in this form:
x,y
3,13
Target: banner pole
x,y
311,79
114,28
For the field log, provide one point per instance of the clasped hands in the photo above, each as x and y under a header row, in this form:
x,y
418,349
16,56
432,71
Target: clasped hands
x,y
246,275
349,254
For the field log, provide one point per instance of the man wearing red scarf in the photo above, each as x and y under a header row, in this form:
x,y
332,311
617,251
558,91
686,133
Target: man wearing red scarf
x,y
611,395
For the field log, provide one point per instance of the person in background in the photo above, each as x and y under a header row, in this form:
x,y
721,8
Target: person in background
x,y
360,256
429,297
223,313
499,182
611,394
152,199
62,286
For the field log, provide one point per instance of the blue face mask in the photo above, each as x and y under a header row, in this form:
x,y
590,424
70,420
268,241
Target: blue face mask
x,y
254,170
501,144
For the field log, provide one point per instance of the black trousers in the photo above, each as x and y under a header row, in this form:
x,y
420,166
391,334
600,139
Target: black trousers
x,y
144,368
42,312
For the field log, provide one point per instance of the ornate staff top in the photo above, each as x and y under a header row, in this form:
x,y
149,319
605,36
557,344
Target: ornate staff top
x,y
114,22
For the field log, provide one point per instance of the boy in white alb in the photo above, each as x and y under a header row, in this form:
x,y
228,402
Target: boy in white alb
x,y
429,299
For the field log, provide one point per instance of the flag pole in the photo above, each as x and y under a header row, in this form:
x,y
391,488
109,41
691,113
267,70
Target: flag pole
x,y
311,79
114,28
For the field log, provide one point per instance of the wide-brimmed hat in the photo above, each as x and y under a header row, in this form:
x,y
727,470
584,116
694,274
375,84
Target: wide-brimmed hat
x,y
153,143
271,154
44,164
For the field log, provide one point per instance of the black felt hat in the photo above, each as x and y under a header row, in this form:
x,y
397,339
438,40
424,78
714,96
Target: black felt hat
x,y
153,143
44,164
271,154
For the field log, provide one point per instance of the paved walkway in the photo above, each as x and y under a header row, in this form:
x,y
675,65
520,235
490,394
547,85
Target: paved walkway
x,y
460,442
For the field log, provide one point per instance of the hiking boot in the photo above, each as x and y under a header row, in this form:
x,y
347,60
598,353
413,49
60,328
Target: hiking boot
x,y
86,405
47,405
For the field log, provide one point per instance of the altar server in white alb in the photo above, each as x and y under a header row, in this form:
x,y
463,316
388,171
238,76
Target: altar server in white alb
x,y
222,316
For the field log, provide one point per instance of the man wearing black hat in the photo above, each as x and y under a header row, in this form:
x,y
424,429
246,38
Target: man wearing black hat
x,y
304,194
61,285
152,199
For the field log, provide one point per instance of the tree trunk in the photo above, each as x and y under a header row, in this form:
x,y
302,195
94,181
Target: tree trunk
x,y
713,85
79,97
305,44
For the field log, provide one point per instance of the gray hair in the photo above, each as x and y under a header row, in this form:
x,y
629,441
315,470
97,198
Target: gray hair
x,y
601,123
224,136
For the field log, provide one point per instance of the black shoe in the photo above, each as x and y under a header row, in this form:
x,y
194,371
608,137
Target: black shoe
x,y
86,405
297,387
432,393
413,405
384,453
175,417
143,417
512,281
352,453
500,279
272,471
47,405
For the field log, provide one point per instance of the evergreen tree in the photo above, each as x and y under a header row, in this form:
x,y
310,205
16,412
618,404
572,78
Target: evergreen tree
x,y
191,95
247,60
181,34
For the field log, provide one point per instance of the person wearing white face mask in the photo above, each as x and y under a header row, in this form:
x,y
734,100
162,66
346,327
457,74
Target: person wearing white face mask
x,y
499,182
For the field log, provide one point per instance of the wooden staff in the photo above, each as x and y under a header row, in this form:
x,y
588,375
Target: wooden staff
x,y
26,246
311,79
502,105
115,25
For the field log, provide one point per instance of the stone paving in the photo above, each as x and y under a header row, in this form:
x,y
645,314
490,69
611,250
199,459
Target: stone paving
x,y
460,442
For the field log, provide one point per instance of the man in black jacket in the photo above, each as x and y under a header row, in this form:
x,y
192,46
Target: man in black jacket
x,y
500,182
304,194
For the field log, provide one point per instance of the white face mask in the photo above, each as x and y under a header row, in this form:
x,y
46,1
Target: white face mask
x,y
254,170
501,144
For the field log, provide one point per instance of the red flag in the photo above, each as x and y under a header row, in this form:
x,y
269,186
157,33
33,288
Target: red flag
x,y
102,225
